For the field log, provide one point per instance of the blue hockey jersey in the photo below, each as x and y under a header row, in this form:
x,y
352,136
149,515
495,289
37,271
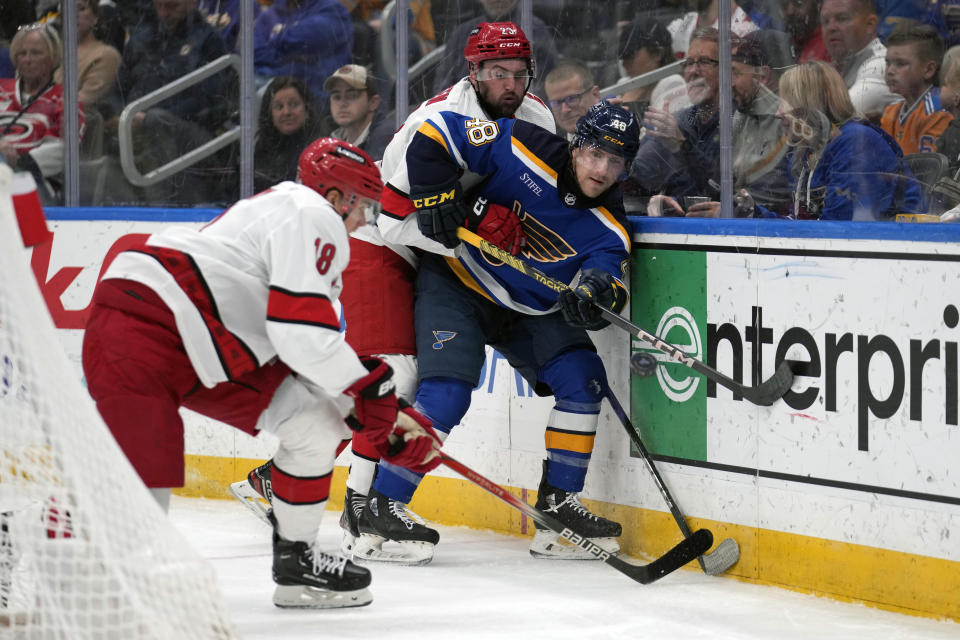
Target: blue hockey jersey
x,y
529,170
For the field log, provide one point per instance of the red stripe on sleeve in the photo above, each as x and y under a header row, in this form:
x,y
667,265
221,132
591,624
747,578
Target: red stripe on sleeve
x,y
299,308
395,204
294,490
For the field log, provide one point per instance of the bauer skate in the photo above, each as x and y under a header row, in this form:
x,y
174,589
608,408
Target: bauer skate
x,y
385,520
256,492
353,504
311,579
567,508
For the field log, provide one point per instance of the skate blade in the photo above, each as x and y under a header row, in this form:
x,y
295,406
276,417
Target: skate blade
x,y
369,548
548,544
304,597
252,500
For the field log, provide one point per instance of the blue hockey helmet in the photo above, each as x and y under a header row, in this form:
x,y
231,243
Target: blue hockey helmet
x,y
610,127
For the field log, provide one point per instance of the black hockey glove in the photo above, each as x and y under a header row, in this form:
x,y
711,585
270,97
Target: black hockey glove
x,y
596,288
440,211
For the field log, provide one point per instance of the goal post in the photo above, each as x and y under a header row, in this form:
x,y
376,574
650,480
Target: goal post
x,y
85,550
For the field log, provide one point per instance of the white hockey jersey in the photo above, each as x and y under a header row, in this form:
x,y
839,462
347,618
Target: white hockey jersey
x,y
258,282
396,224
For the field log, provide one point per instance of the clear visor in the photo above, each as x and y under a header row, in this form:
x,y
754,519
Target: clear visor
x,y
488,72
596,157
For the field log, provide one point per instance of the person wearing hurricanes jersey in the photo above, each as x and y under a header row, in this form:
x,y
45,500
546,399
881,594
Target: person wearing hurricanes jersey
x,y
559,205
241,321
501,67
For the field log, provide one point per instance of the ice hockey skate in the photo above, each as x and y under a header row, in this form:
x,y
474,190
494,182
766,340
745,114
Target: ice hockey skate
x,y
567,508
385,520
353,504
256,492
311,579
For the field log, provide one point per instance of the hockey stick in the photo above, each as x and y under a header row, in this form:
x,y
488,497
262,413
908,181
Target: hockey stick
x,y
682,553
692,546
764,394
727,552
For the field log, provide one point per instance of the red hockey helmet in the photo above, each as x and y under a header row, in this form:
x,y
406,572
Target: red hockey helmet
x,y
492,40
330,163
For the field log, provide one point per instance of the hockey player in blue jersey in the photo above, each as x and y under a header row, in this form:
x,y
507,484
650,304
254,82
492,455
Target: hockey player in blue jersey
x,y
572,226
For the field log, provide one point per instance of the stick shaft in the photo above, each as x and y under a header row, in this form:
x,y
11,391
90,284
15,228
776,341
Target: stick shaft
x,y
756,395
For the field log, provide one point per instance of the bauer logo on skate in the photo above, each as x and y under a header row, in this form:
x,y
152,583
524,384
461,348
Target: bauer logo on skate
x,y
585,544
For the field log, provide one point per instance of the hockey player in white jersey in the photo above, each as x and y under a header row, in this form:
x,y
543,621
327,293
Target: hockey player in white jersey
x,y
501,67
241,322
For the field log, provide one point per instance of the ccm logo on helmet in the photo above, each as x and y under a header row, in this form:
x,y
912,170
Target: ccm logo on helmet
x,y
432,201
613,140
504,45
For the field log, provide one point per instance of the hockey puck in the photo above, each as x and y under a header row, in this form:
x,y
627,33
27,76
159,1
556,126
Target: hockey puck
x,y
643,364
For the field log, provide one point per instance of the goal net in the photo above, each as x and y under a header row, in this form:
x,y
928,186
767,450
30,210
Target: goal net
x,y
85,551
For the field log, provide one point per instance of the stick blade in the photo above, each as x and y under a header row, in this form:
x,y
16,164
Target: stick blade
x,y
722,558
685,551
772,389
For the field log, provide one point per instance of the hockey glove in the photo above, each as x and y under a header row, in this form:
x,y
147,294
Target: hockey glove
x,y
440,210
596,288
415,445
496,224
374,401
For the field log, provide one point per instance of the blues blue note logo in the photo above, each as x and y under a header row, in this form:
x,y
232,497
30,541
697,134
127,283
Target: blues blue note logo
x,y
442,336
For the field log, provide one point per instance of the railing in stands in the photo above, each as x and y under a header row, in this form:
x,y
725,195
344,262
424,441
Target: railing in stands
x,y
125,127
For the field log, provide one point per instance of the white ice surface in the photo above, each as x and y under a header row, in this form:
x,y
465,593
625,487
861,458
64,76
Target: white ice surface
x,y
485,585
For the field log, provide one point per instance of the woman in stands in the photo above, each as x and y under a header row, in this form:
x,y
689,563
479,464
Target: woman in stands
x,y
287,123
97,62
31,105
843,166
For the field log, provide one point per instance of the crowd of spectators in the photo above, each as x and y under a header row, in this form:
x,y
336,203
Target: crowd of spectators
x,y
319,71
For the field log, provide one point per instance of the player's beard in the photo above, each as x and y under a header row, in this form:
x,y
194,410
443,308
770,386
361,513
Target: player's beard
x,y
502,108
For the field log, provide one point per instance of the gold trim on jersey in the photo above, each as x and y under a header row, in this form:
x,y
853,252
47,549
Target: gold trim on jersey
x,y
428,129
534,159
460,271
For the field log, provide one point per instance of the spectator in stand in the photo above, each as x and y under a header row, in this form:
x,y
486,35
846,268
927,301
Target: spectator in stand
x,y
97,62
167,45
705,15
844,167
355,107
367,25
850,33
287,123
31,108
224,16
452,68
646,45
802,22
679,155
760,147
913,59
307,39
570,93
945,16
892,13
949,143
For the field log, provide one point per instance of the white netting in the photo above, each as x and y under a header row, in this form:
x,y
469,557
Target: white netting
x,y
85,551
